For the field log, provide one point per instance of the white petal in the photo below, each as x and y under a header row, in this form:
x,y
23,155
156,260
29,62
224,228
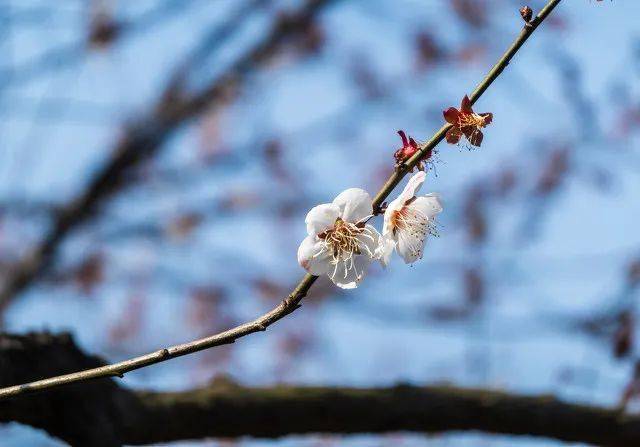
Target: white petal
x,y
371,242
313,257
348,273
413,186
321,218
355,204
395,205
387,246
410,246
429,205
409,191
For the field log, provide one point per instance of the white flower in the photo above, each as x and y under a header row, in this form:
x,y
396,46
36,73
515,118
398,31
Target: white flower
x,y
408,220
340,243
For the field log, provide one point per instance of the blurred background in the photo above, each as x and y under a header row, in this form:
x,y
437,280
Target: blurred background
x,y
158,158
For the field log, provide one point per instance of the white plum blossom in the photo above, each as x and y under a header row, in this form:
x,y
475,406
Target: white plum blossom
x,y
340,243
408,220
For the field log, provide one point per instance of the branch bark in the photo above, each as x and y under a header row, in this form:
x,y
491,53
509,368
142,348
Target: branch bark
x,y
292,302
106,414
281,411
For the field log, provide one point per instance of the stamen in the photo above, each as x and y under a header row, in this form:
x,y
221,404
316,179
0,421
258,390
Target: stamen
x,y
343,241
471,120
412,227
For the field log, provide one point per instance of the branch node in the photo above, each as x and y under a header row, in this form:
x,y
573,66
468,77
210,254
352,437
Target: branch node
x,y
287,302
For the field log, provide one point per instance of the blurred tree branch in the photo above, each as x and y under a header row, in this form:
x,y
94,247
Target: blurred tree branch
x,y
106,414
145,137
65,56
292,301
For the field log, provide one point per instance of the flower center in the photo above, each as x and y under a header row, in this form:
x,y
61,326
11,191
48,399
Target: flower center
x,y
415,222
471,120
343,239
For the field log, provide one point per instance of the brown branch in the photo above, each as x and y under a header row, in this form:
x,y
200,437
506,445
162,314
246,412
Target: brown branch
x,y
144,139
292,302
240,411
106,414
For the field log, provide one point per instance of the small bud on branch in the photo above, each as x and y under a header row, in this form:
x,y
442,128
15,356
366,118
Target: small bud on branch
x,y
526,13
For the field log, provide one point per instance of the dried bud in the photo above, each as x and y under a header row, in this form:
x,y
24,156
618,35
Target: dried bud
x,y
526,13
408,149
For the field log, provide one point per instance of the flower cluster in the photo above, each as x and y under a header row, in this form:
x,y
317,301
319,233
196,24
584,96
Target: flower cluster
x,y
342,245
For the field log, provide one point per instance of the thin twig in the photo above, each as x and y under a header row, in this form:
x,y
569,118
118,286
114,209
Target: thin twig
x,y
493,74
292,302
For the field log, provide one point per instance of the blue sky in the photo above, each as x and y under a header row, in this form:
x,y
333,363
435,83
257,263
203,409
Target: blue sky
x,y
333,137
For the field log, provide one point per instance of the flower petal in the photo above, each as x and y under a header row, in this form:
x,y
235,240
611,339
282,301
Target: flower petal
x,y
395,205
348,273
321,218
387,246
451,115
355,204
453,135
403,136
411,239
410,245
409,191
488,118
468,131
465,106
429,205
370,242
475,138
414,184
313,257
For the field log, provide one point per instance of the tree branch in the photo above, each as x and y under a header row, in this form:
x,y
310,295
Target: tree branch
x,y
106,414
66,56
239,411
145,137
287,306
292,302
